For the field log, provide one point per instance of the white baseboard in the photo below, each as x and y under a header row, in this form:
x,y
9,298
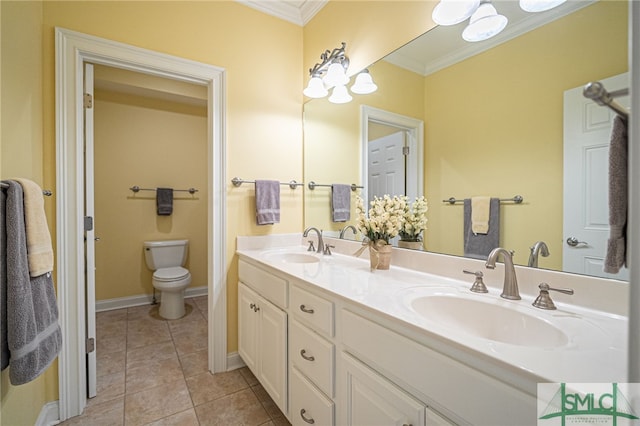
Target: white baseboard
x,y
143,299
234,361
49,414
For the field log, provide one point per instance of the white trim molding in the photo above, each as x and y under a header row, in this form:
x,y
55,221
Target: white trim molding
x,y
49,414
73,49
415,160
143,299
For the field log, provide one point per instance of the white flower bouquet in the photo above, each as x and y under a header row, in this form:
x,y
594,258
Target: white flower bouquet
x,y
385,217
415,219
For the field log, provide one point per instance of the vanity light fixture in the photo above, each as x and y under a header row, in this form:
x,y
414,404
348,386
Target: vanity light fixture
x,y
484,22
331,74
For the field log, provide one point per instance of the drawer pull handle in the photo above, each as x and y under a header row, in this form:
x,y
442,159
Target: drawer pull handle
x,y
303,354
306,419
306,310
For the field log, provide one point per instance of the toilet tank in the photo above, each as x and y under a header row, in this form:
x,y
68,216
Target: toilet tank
x,y
165,254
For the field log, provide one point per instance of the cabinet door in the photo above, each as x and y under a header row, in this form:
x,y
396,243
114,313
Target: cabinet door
x,y
247,327
272,347
373,400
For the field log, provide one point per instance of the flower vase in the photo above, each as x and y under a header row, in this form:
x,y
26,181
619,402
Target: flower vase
x,y
380,254
414,245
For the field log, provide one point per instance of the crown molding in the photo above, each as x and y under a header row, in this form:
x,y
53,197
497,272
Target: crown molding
x,y
296,12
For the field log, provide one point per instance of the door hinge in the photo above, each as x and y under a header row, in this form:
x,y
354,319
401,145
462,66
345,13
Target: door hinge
x,y
88,223
91,345
405,150
87,101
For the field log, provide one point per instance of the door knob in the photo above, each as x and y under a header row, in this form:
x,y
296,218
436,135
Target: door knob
x,y
96,239
573,242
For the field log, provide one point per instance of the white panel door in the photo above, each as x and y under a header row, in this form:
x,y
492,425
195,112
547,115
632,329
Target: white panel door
x,y
247,325
386,166
89,236
587,130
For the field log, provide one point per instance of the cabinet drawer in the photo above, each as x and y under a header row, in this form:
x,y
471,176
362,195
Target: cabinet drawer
x,y
308,404
269,286
313,356
312,310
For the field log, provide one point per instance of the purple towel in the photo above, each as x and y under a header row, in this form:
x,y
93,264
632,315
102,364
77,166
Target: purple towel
x,y
267,202
340,202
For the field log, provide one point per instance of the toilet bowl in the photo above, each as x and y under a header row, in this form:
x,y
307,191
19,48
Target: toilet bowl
x,y
170,278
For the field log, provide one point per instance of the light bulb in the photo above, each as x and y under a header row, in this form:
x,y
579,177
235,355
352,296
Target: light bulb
x,y
340,95
484,23
335,75
315,88
539,5
364,84
451,12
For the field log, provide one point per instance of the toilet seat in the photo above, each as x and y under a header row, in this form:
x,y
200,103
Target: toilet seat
x,y
174,273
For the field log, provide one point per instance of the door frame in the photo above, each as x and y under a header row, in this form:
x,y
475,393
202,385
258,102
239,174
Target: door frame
x,y
415,141
72,50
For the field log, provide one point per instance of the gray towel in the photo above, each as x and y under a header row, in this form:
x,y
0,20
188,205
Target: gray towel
x,y
478,246
164,201
618,187
340,202
34,335
267,202
4,345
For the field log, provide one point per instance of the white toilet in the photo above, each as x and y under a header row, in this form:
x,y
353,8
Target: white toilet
x,y
170,278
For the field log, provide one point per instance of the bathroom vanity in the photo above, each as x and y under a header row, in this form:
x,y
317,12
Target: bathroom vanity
x,y
335,343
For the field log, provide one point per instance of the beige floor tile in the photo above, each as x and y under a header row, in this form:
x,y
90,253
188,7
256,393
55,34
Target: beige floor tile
x,y
110,344
105,317
111,329
156,403
202,302
208,387
248,376
146,334
280,421
110,362
110,413
185,418
140,357
109,387
154,373
192,323
240,408
270,407
140,312
195,363
190,342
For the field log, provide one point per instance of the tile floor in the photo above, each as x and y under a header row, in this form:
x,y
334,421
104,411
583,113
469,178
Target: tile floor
x,y
153,371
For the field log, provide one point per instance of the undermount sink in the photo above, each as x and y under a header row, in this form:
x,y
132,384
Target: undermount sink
x,y
292,257
489,321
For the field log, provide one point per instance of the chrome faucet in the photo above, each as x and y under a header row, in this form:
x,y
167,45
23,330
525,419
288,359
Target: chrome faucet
x,y
510,289
343,230
320,243
538,248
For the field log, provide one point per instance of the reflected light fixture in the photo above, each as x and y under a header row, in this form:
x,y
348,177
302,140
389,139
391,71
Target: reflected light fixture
x,y
331,74
539,5
484,22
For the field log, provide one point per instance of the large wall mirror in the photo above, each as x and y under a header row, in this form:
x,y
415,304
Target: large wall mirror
x,y
493,122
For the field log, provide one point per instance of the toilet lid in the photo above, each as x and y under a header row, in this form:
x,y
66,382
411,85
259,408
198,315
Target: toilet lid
x,y
170,274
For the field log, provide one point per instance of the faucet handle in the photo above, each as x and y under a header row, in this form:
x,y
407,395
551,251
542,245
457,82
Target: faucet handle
x,y
478,285
327,249
543,301
311,247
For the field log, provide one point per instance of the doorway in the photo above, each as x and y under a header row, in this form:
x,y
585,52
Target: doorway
x,y
72,51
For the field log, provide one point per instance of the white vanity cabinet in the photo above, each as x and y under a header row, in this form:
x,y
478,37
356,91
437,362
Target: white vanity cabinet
x,y
312,355
262,332
370,399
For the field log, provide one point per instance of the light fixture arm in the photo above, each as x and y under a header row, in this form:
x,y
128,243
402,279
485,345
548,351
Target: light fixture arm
x,y
329,57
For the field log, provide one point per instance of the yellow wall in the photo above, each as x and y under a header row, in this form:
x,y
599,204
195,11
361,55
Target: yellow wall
x,y
263,108
150,143
332,142
21,155
464,156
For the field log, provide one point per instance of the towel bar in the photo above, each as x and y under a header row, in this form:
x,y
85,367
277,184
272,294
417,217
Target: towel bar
x,y
136,188
236,181
312,185
516,199
46,192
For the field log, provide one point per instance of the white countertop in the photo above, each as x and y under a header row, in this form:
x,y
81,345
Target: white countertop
x,y
595,349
